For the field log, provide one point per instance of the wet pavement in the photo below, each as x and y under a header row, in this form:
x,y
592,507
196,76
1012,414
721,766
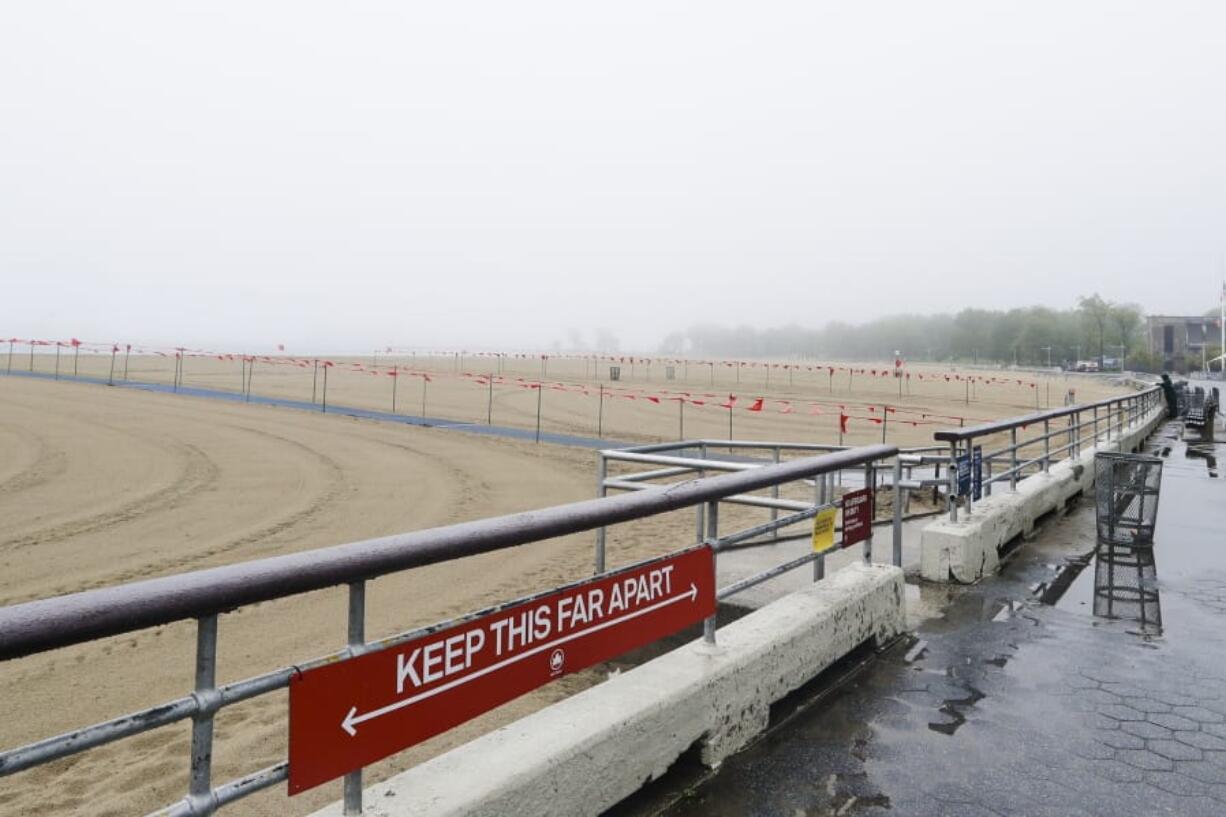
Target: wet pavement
x,y
1008,705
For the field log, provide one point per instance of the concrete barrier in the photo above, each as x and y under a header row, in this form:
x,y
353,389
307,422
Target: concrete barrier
x,y
969,549
583,755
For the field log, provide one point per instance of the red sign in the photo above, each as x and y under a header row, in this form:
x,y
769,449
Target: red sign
x,y
857,516
349,714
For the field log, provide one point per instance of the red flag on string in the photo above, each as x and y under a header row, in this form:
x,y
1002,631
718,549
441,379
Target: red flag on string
x,y
731,402
757,405
843,422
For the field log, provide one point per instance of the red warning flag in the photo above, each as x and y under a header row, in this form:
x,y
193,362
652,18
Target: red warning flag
x,y
843,422
655,400
731,402
757,405
74,342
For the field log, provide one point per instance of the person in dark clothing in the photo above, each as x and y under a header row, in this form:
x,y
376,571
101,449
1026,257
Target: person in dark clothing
x,y
1172,400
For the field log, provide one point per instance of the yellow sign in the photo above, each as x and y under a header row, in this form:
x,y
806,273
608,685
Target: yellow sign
x,y
823,530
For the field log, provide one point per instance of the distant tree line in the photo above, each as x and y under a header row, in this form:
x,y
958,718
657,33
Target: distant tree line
x,y
1029,336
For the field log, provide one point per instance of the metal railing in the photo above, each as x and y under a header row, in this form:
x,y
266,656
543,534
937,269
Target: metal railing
x,y
1063,434
690,458
204,595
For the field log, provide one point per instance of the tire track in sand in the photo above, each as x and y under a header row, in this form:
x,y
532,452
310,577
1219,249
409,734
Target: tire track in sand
x,y
48,464
337,486
198,472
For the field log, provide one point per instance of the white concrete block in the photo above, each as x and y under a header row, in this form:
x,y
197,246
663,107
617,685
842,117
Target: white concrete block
x,y
588,752
967,550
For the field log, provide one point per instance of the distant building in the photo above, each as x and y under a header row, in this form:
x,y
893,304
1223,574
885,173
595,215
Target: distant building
x,y
1175,338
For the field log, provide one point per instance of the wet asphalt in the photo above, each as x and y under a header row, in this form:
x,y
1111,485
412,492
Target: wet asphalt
x,y
1016,701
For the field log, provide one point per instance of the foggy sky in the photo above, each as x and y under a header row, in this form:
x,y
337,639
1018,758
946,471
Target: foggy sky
x,y
345,176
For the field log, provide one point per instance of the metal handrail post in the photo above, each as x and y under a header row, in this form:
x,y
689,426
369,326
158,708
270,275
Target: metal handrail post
x,y
953,482
1046,446
1075,434
1096,426
700,523
1013,459
708,625
819,498
899,494
357,640
870,481
819,495
775,495
602,472
200,788
970,496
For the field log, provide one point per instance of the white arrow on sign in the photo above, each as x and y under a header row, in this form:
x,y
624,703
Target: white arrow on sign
x,y
352,718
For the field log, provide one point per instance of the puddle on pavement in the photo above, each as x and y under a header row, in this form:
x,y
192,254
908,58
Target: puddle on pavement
x,y
954,709
1206,452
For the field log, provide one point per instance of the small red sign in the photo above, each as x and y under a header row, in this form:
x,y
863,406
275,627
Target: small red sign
x,y
346,715
857,516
